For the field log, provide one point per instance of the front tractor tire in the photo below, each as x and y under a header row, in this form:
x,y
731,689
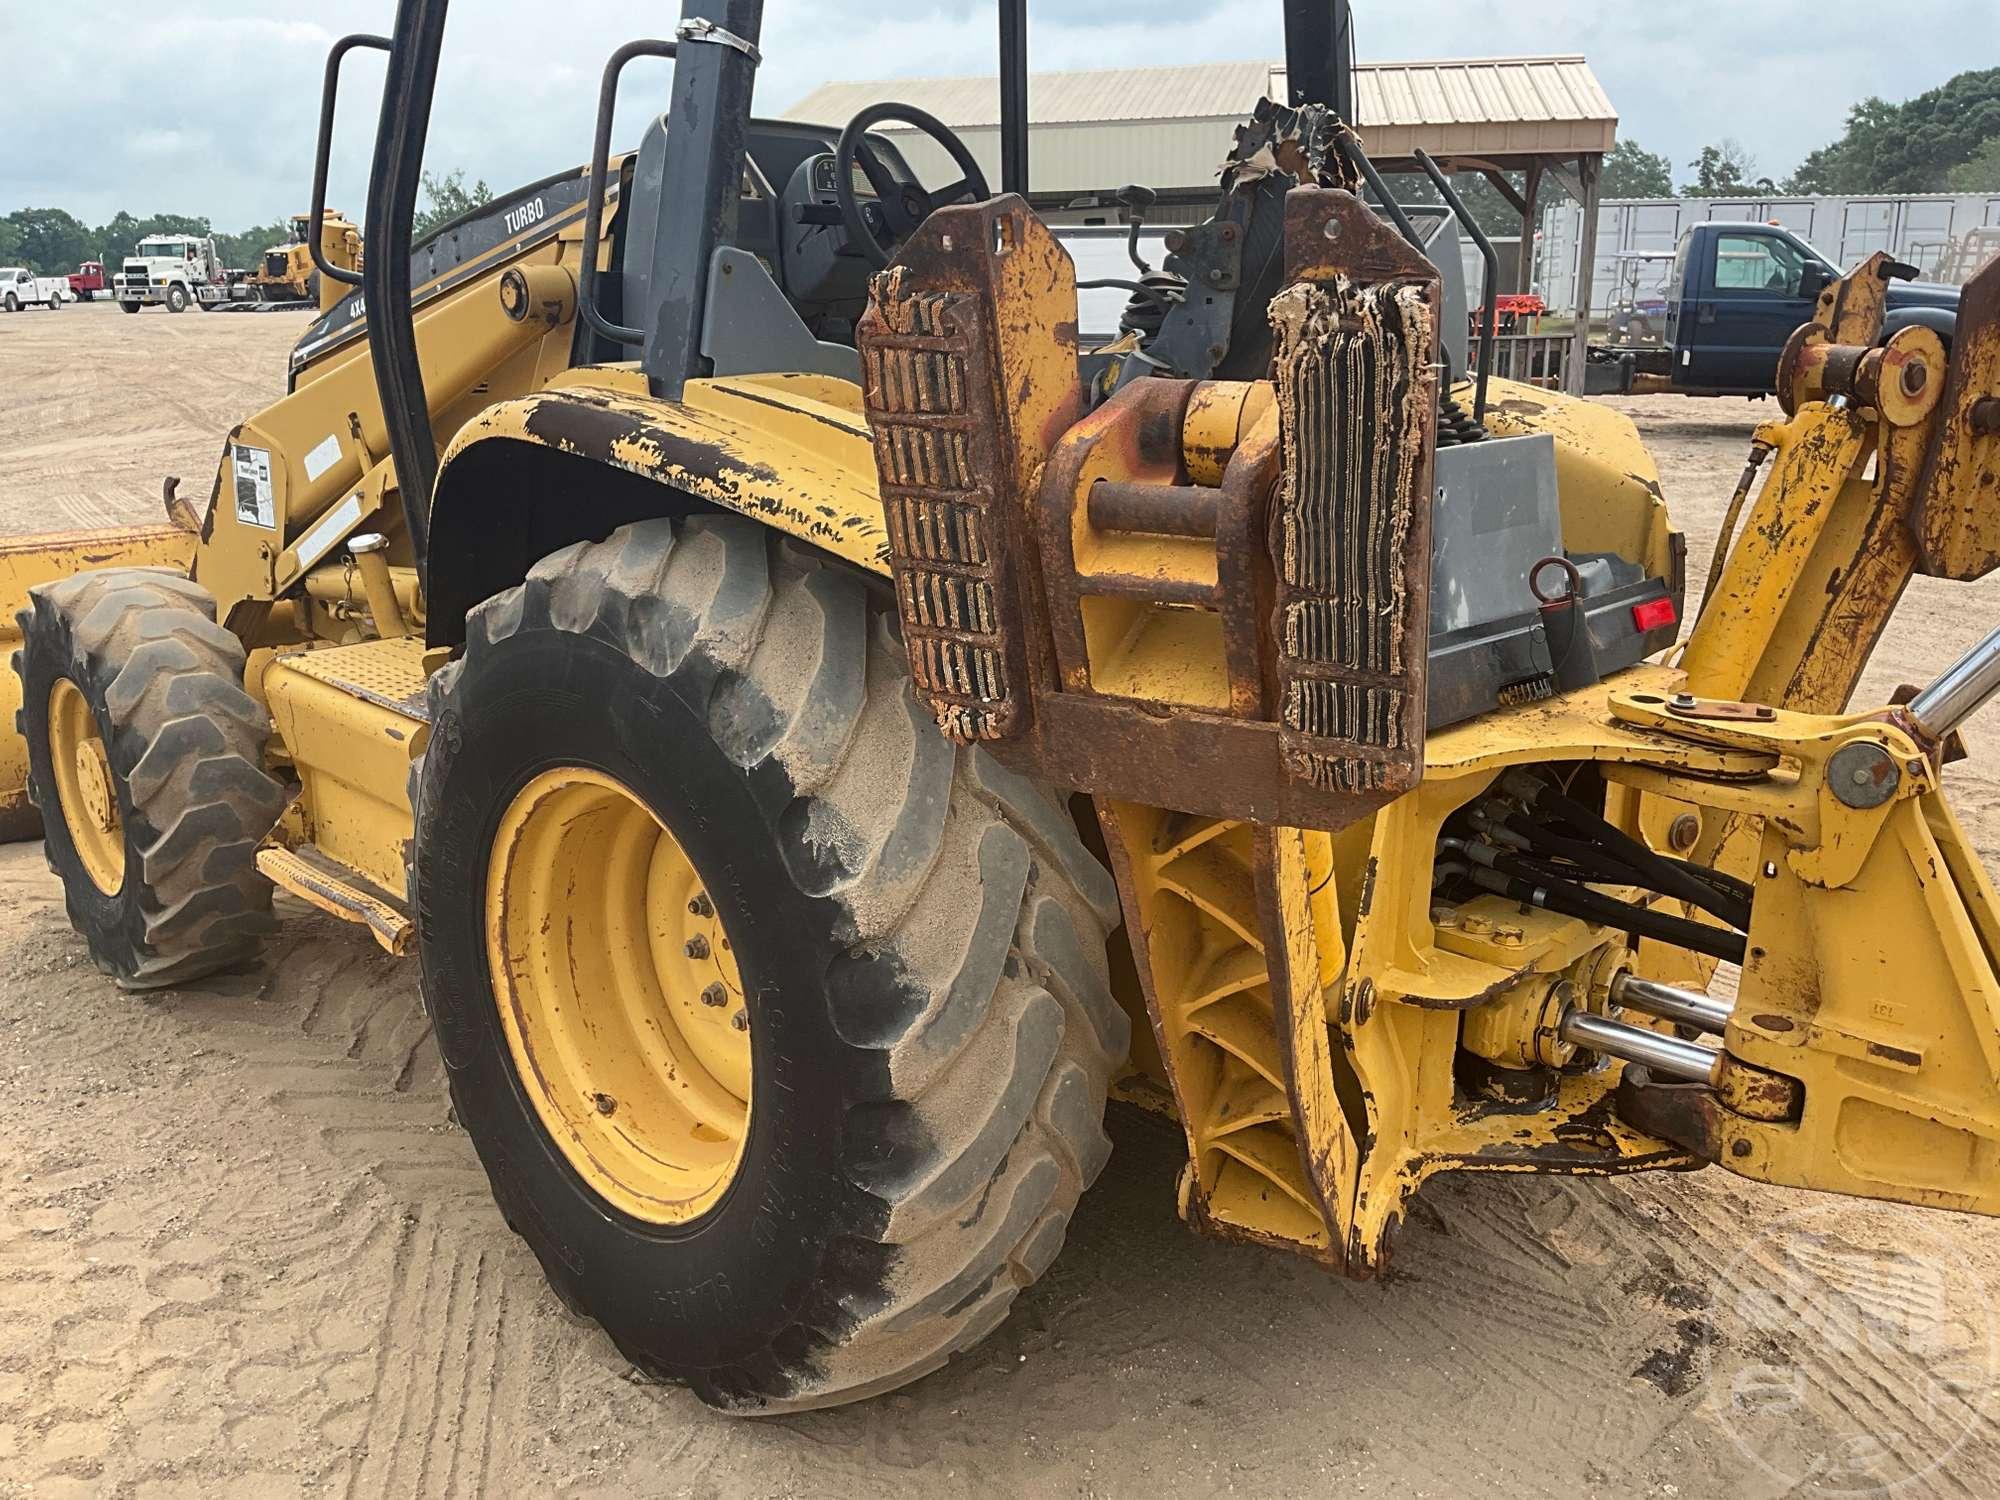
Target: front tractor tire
x,y
177,298
146,759
130,307
680,778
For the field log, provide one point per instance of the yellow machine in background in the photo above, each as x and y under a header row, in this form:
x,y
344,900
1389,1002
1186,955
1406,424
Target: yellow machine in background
x,y
822,726
285,274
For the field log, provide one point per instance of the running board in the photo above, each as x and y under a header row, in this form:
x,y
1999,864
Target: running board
x,y
339,892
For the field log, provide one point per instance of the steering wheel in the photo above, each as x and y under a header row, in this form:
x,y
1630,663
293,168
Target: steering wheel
x,y
904,205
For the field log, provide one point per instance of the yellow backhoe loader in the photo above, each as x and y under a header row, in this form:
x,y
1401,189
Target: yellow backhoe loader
x,y
823,723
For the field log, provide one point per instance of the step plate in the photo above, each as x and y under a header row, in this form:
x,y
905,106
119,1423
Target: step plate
x,y
340,892
389,674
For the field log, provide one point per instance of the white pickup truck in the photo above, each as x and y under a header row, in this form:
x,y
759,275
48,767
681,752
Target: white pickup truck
x,y
21,289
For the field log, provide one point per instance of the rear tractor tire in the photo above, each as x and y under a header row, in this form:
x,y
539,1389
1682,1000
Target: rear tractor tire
x,y
781,1025
146,759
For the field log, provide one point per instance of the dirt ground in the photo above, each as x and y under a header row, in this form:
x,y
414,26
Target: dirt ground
x,y
244,1250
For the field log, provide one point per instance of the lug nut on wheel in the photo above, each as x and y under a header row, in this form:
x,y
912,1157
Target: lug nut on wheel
x,y
696,947
715,994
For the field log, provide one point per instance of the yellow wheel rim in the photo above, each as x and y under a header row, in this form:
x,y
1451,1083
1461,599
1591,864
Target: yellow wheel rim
x,y
85,788
619,993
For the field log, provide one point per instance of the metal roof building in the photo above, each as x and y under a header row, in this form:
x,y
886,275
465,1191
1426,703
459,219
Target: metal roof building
x,y
1170,128
1093,130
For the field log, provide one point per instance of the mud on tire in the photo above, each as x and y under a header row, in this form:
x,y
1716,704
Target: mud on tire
x,y
185,747
921,938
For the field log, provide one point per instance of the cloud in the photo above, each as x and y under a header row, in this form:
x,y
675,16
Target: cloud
x,y
211,107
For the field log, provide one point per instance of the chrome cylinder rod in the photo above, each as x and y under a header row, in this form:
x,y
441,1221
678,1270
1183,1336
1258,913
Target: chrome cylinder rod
x,y
1671,1003
1960,691
1668,1056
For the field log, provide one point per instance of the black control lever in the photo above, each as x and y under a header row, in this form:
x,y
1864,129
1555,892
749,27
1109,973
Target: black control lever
x,y
1135,200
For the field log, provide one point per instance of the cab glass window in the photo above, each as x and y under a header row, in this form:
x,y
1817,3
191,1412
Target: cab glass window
x,y
1758,263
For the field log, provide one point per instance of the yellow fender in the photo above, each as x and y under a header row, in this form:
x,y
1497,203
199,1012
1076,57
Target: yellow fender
x,y
791,451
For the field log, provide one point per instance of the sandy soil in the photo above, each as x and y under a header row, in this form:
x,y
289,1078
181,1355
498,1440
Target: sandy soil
x,y
244,1249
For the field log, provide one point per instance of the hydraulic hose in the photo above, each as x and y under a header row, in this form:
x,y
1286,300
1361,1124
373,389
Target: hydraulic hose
x,y
1614,866
1579,901
1668,877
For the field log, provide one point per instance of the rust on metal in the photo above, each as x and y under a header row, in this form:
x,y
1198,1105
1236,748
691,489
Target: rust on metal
x,y
1151,741
968,350
1133,443
1758,1094
1328,1152
1157,510
1220,415
1958,507
1302,140
1902,379
1852,309
317,881
1721,710
1357,392
1687,1114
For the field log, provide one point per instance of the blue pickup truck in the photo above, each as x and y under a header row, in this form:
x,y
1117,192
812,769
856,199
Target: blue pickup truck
x,y
1738,291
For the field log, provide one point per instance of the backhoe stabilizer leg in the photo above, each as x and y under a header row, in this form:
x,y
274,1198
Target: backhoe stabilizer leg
x,y
1862,1053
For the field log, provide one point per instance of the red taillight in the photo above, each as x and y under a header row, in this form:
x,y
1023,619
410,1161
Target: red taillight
x,y
1654,614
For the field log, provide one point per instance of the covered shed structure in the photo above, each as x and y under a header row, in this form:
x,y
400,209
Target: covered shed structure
x,y
1091,132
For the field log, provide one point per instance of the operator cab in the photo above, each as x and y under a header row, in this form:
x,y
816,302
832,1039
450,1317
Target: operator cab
x,y
821,210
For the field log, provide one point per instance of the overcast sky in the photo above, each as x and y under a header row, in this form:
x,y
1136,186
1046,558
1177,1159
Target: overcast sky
x,y
209,107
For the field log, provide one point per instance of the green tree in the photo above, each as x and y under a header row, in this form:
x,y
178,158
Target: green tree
x,y
115,240
448,198
1631,171
10,242
246,250
1725,170
1979,174
1912,147
1492,212
50,240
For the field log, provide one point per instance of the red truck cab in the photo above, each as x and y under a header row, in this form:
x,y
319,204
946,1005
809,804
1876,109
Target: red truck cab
x,y
88,279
